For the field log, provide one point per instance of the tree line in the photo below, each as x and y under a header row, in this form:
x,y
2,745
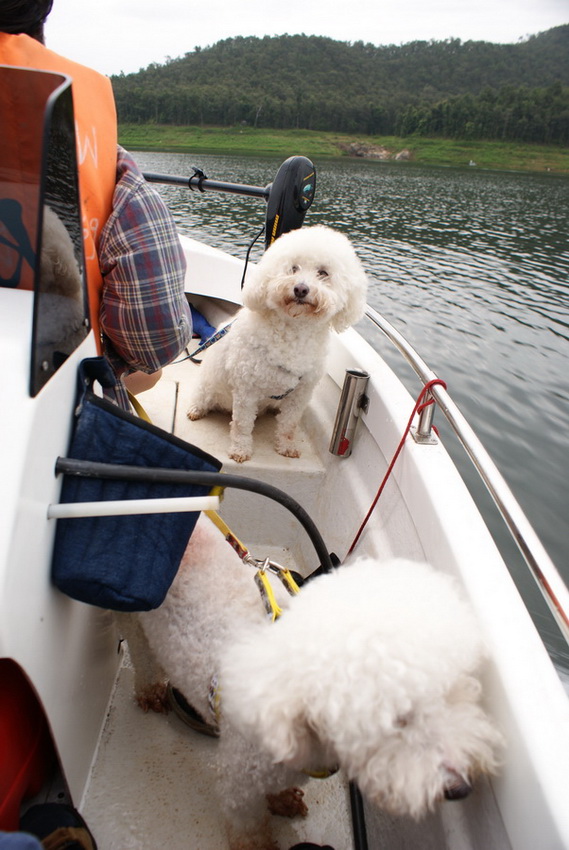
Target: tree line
x,y
470,90
535,115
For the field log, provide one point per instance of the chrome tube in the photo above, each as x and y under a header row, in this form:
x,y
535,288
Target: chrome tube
x,y
347,415
536,557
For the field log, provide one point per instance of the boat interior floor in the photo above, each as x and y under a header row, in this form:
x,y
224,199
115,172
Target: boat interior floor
x,y
152,781
152,786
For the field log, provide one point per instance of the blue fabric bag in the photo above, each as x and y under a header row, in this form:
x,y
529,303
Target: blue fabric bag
x,y
125,563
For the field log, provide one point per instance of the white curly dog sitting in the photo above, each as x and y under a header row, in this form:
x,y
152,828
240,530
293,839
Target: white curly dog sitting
x,y
307,282
371,667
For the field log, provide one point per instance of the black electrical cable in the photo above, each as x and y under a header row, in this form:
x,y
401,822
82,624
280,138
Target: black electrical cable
x,y
358,818
259,234
112,471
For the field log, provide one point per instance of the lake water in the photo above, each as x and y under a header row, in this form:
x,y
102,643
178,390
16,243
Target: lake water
x,y
473,267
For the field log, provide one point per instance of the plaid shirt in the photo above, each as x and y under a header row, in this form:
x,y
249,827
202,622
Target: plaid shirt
x,y
145,317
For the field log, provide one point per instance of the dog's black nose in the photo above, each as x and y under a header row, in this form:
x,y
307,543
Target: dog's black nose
x,y
301,290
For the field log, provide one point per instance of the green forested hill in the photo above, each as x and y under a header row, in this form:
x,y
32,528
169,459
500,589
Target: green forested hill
x,y
452,88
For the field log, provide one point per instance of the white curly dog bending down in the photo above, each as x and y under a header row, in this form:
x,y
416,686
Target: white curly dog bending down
x,y
307,282
371,668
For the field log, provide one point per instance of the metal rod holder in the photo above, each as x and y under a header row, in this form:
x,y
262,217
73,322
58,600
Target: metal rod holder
x,y
423,432
352,401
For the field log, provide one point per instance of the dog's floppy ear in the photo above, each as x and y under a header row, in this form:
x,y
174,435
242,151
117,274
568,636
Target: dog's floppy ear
x,y
255,289
254,701
355,291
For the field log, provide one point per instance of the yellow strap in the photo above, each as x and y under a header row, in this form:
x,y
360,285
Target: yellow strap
x,y
233,541
324,773
288,581
261,578
267,595
140,411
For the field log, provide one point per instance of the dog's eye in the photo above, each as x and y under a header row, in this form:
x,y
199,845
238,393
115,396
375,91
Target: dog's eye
x,y
322,273
295,269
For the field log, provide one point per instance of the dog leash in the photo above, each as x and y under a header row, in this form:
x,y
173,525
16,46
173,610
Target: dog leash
x,y
263,566
271,606
206,344
138,408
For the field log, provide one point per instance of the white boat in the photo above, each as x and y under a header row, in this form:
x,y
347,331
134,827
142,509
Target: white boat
x,y
144,780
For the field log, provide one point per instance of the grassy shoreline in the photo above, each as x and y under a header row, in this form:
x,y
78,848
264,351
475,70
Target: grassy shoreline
x,y
506,156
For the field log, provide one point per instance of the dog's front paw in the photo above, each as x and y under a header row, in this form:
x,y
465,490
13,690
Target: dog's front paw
x,y
240,455
290,450
288,803
154,698
286,444
195,412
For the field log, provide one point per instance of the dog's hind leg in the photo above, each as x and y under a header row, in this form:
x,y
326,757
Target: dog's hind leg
x,y
150,684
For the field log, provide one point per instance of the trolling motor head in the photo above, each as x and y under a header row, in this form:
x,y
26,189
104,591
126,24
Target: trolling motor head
x,y
290,195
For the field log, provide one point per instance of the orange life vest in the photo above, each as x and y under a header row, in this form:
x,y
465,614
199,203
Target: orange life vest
x,y
96,134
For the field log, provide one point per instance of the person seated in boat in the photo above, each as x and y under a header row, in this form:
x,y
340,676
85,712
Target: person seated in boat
x,y
134,260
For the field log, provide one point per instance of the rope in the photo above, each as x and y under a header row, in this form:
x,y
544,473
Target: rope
x,y
420,405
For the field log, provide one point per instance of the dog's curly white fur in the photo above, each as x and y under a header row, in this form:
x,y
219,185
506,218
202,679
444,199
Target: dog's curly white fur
x,y
308,281
371,667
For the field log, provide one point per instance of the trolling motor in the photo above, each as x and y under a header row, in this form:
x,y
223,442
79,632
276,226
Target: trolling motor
x,y
290,195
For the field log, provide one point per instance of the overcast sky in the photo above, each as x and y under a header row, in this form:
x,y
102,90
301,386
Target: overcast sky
x,y
126,35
